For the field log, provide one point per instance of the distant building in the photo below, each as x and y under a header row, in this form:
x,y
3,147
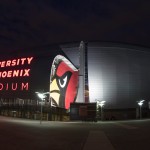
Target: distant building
x,y
81,73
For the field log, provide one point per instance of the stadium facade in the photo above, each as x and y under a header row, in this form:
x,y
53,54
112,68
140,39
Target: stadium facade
x,y
81,72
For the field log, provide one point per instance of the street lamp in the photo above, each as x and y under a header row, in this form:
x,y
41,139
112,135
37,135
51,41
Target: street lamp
x,y
42,96
101,104
140,103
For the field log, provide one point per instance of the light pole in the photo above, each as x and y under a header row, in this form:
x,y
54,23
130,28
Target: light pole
x,y
140,103
42,96
101,104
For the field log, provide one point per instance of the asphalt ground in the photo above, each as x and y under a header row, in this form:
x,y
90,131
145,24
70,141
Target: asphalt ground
x,y
23,134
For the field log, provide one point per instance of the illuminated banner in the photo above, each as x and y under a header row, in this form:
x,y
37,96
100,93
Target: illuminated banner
x,y
63,82
16,62
12,69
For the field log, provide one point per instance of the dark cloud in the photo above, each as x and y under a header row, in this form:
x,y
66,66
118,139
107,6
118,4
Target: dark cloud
x,y
31,23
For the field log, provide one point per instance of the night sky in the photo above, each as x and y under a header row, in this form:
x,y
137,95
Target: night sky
x,y
31,23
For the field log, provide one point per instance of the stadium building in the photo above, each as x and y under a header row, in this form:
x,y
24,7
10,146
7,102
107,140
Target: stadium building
x,y
71,75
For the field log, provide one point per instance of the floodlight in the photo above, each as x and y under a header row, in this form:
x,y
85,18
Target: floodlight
x,y
41,96
140,103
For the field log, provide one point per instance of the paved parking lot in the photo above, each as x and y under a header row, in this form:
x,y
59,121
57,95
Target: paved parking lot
x,y
16,134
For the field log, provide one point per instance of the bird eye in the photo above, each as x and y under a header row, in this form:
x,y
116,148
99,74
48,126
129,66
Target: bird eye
x,y
62,82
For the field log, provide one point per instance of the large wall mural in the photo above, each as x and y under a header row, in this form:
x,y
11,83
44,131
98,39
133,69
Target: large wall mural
x,y
63,82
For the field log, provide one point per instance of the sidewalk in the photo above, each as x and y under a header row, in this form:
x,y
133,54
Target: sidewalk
x,y
97,140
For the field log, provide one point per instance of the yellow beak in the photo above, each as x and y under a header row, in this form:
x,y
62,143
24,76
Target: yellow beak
x,y
53,94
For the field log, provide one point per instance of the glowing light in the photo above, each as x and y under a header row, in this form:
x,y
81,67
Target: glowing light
x,y
41,95
100,103
140,103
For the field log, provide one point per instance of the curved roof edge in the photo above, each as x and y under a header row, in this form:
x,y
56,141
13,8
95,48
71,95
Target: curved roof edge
x,y
77,44
106,44
118,44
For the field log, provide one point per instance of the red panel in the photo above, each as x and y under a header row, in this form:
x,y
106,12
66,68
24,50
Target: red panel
x,y
71,90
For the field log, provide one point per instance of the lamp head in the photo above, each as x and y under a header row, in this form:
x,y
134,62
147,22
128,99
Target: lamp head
x,y
140,103
41,95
